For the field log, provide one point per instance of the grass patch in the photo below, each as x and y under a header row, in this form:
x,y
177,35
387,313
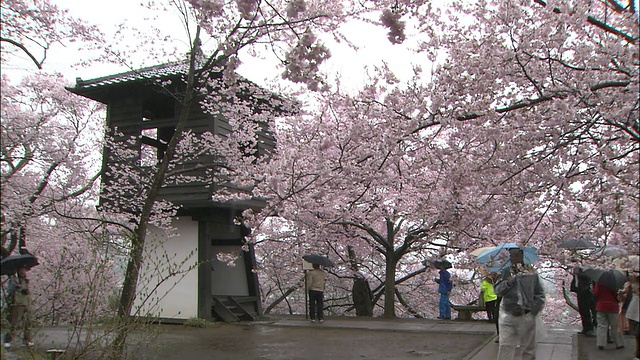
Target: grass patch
x,y
198,322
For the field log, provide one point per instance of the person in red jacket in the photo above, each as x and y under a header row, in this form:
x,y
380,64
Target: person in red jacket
x,y
607,314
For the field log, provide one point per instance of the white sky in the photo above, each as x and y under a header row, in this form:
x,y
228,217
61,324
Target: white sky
x,y
345,63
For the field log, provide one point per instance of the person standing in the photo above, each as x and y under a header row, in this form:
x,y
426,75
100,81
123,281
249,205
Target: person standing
x,y
607,314
490,298
19,309
444,288
522,300
632,313
582,285
316,280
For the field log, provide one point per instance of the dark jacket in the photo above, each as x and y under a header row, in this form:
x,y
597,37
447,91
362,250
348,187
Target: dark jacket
x,y
445,282
581,283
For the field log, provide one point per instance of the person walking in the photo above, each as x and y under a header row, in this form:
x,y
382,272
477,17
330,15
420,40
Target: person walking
x,y
444,288
19,316
490,298
607,314
632,312
316,280
522,300
582,285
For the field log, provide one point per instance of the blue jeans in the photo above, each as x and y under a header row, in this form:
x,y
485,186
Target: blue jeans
x,y
445,306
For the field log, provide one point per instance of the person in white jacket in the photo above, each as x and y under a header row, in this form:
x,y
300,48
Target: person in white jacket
x,y
316,280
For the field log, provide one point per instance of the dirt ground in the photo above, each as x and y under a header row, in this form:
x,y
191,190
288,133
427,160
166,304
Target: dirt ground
x,y
226,341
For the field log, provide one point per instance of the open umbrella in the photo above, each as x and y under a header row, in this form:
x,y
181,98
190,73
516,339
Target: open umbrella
x,y
318,259
442,264
612,279
498,259
612,251
501,254
577,244
11,263
486,249
479,251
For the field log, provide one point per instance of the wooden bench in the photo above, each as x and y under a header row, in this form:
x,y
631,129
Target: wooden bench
x,y
53,354
466,311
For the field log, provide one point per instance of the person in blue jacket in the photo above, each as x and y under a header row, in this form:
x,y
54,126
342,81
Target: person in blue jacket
x,y
444,288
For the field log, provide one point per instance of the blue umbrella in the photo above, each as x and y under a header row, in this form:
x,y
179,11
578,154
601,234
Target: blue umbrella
x,y
498,258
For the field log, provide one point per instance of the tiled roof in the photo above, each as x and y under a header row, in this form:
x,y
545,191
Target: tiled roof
x,y
153,72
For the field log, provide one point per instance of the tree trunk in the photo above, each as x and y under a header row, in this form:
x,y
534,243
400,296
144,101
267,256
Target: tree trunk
x,y
390,285
128,294
362,297
361,291
391,261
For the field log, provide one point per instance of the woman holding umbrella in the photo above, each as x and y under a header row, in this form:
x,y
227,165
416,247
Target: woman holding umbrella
x,y
607,315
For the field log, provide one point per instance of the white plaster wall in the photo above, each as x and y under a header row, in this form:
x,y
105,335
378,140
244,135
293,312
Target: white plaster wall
x,y
168,282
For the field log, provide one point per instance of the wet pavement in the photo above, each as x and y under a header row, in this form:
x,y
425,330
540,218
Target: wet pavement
x,y
294,337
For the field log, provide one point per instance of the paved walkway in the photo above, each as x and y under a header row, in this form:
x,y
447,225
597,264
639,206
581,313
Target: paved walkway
x,y
561,343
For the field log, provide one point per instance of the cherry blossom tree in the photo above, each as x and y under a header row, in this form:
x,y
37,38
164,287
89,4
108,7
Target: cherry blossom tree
x,y
31,27
287,29
48,168
535,109
44,160
550,91
356,172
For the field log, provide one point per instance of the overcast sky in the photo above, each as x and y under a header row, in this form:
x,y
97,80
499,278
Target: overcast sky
x,y
345,62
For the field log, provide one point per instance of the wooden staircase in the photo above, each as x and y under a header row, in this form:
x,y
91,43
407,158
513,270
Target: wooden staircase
x,y
235,308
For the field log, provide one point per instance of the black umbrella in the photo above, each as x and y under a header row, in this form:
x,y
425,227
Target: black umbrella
x,y
612,279
577,244
318,259
11,263
442,264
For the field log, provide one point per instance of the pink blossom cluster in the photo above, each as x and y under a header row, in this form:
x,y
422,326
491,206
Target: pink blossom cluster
x,y
391,20
304,60
295,7
247,8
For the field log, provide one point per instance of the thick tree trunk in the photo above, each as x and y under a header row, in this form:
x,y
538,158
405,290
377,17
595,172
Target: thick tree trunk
x,y
390,286
391,261
361,291
362,297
